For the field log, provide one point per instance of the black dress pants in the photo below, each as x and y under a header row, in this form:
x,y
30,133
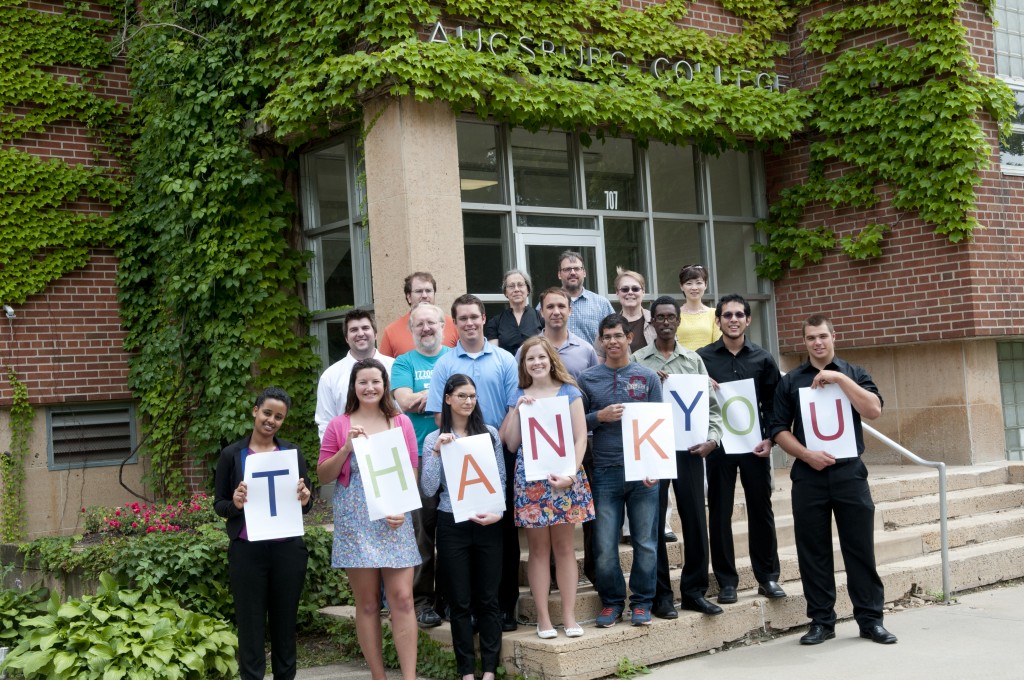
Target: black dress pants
x,y
689,494
469,553
267,578
841,490
756,477
508,591
424,580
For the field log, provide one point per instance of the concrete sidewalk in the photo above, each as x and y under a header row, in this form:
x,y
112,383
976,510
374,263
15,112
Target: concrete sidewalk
x,y
978,637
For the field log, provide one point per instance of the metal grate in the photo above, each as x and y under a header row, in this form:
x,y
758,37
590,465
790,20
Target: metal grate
x,y
90,435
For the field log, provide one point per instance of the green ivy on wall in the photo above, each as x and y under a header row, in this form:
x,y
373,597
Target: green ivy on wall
x,y
209,280
212,264
12,463
900,116
42,238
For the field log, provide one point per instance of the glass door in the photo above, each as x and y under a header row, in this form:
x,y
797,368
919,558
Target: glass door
x,y
538,253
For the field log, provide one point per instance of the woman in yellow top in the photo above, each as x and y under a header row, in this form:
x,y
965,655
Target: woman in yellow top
x,y
697,325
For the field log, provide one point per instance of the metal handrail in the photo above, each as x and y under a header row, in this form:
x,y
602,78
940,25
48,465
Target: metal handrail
x,y
943,508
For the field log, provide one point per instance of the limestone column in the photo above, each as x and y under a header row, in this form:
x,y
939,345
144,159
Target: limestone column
x,y
413,200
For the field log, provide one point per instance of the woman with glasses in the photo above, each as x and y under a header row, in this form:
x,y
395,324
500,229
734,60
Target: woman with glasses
x,y
519,320
372,551
470,551
549,509
630,288
697,325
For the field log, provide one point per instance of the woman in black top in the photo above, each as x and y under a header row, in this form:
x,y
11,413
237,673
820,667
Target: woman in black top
x,y
266,576
519,320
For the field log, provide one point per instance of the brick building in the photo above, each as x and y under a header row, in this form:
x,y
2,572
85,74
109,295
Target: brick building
x,y
938,324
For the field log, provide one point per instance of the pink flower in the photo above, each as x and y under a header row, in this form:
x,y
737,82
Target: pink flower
x,y
118,512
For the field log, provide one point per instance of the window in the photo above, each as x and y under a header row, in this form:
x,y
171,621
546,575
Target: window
x,y
529,196
1010,356
1011,151
335,232
87,435
1009,39
1009,43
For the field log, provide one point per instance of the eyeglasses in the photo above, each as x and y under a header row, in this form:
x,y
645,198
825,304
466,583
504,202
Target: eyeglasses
x,y
422,291
734,315
465,397
614,338
517,284
630,289
666,318
570,270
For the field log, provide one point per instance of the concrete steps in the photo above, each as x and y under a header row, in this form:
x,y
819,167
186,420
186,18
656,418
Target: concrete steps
x,y
986,537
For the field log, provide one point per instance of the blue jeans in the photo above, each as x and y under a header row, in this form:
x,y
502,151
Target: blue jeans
x,y
611,494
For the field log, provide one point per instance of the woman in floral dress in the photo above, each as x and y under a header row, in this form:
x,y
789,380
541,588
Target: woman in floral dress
x,y
549,509
372,550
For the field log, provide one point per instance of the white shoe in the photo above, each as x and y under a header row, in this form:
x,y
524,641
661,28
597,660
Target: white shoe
x,y
546,634
574,632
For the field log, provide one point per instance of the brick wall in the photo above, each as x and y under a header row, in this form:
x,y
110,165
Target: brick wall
x,y
922,288
66,342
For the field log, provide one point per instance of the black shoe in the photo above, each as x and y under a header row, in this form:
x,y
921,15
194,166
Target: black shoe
x,y
818,634
670,537
428,618
508,622
700,604
727,595
771,590
665,610
877,633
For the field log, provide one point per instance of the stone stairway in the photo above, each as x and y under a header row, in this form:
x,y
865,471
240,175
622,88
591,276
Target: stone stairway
x,y
986,538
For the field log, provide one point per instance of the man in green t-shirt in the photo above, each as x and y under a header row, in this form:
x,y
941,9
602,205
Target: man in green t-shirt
x,y
410,382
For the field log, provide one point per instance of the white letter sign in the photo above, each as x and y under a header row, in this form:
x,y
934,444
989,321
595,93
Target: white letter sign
x,y
471,472
272,508
741,424
388,479
548,446
828,421
648,442
691,408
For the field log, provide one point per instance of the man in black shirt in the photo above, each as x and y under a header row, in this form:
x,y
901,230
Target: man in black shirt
x,y
732,358
824,485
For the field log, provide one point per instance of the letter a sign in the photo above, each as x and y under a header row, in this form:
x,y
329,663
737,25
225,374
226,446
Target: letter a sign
x,y
474,485
648,442
388,479
548,446
272,508
828,421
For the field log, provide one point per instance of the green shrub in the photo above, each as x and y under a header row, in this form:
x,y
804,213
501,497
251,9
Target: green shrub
x,y
16,606
191,567
120,633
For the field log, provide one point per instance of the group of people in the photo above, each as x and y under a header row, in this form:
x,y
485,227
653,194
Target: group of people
x,y
438,386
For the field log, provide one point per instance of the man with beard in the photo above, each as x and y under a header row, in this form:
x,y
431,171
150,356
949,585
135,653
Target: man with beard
x,y
332,390
733,357
588,308
410,383
396,339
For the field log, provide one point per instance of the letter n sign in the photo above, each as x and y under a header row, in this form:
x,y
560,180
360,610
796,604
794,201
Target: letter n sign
x,y
548,445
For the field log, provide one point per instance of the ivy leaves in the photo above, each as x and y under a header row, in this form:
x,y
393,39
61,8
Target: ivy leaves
x,y
894,115
51,211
